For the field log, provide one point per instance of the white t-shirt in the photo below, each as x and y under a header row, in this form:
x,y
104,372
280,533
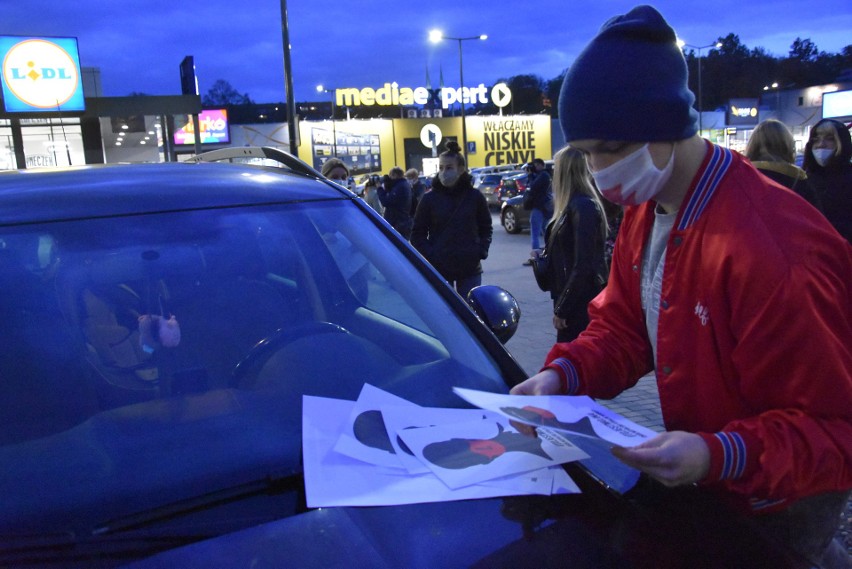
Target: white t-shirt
x,y
653,261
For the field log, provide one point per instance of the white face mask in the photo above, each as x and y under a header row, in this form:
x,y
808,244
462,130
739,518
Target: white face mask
x,y
448,177
634,179
823,155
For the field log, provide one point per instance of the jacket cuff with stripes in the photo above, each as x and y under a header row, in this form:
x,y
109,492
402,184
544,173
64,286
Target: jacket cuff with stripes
x,y
733,455
569,379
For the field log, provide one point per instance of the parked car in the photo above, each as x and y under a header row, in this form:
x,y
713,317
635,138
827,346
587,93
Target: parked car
x,y
513,217
161,325
477,174
488,185
512,185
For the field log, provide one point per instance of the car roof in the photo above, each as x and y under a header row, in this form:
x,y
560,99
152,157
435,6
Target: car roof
x,y
39,195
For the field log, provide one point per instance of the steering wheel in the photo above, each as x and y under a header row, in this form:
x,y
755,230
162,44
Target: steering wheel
x,y
266,347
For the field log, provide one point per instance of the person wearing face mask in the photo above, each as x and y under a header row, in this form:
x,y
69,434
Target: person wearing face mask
x,y
827,155
452,225
740,309
335,170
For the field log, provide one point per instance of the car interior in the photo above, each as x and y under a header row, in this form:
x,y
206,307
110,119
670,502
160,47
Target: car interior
x,y
257,303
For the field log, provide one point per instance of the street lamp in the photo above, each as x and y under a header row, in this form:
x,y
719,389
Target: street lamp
x,y
436,36
321,89
682,45
777,98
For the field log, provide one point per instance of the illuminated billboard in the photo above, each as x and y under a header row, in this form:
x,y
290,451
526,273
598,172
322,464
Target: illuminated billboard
x,y
41,74
742,112
213,124
837,104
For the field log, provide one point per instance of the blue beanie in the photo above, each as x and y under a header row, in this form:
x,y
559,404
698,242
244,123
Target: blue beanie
x,y
629,84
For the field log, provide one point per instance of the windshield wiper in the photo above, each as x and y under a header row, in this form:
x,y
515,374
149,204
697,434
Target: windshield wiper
x,y
276,482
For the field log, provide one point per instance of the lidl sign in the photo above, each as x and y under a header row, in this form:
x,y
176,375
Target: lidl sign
x,y
40,74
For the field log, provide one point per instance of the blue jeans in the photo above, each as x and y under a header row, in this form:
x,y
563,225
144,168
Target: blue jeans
x,y
536,228
464,285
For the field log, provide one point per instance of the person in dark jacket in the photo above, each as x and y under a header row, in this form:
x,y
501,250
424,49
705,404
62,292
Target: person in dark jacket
x,y
540,203
418,188
395,195
452,226
772,150
575,237
827,156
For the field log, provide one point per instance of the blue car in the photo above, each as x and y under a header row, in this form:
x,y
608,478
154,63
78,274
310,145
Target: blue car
x,y
161,324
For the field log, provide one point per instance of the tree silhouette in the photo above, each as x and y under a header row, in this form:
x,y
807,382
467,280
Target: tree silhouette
x,y
223,94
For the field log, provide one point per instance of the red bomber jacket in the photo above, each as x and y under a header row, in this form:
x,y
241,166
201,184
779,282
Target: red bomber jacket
x,y
754,340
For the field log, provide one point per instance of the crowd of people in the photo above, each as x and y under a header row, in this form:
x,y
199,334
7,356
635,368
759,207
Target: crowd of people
x,y
730,280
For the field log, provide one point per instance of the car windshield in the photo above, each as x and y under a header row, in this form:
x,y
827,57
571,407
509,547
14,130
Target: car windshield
x,y
154,359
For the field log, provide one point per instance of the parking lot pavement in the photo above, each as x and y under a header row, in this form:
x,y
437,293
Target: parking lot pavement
x,y
536,335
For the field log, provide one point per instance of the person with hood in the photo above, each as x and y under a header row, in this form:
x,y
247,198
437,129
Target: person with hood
x,y
395,195
772,150
742,311
827,155
452,225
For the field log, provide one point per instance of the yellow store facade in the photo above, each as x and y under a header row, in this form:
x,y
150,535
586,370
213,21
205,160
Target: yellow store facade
x,y
376,145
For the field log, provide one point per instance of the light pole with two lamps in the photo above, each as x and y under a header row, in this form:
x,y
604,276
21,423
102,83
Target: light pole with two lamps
x,y
436,36
321,89
777,98
682,45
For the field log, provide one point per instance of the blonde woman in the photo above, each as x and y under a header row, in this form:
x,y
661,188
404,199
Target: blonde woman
x,y
772,150
575,240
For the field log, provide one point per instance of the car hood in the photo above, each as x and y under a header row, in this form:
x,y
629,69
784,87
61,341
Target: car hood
x,y
589,530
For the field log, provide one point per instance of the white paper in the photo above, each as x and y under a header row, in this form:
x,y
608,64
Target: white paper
x,y
333,479
364,435
577,415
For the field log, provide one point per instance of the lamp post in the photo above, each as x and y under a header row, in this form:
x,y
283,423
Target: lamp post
x,y
683,44
321,89
436,36
777,98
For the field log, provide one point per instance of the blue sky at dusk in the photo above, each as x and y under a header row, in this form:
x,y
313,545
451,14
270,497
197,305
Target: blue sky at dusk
x,y
138,45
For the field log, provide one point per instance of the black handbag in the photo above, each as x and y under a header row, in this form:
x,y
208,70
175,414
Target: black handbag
x,y
541,270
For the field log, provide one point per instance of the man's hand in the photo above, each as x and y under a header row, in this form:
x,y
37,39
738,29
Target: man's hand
x,y
543,383
674,458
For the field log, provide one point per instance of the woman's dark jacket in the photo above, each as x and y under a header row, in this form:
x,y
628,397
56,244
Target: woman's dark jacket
x,y
452,228
418,188
790,176
578,270
395,196
833,182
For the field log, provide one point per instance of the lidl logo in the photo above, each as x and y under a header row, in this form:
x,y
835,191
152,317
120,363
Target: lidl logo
x,y
41,74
